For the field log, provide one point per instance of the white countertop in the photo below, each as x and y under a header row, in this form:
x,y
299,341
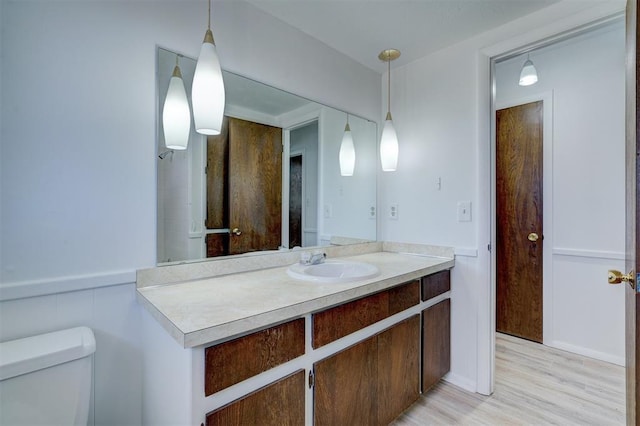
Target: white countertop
x,y
213,309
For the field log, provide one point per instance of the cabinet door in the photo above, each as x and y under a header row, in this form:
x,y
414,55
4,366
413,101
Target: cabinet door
x,y
372,382
436,343
398,369
345,386
278,404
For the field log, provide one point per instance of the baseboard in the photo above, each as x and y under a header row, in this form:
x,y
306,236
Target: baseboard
x,y
602,356
461,382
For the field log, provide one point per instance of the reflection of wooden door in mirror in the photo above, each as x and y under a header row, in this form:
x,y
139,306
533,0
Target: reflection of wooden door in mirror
x,y
295,201
255,186
244,188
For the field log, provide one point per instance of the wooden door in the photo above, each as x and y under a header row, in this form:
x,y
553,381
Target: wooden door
x,y
632,300
255,186
295,201
345,386
519,221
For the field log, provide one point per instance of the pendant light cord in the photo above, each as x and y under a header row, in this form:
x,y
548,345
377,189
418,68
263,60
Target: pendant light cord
x,y
389,82
209,17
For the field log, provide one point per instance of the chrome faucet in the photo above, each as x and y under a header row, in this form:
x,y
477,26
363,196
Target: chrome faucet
x,y
315,258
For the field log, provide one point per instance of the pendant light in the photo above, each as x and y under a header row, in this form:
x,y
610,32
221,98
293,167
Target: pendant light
x,y
347,152
389,139
528,75
207,91
176,117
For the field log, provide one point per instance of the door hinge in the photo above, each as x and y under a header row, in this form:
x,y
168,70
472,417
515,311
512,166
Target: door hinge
x,y
489,247
312,379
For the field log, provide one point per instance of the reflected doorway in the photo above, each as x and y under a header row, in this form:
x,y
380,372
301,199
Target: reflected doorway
x,y
303,185
295,200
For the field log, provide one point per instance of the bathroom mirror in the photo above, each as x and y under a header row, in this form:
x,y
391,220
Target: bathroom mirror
x,y
270,181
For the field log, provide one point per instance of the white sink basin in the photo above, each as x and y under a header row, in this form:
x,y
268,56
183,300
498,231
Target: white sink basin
x,y
333,271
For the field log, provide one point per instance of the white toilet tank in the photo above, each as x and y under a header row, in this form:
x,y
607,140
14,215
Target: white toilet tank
x,y
46,379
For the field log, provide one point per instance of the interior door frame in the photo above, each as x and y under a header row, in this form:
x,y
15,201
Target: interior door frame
x,y
547,203
294,122
543,35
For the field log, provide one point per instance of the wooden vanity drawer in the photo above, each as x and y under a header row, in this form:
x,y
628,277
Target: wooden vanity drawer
x,y
345,319
436,284
236,360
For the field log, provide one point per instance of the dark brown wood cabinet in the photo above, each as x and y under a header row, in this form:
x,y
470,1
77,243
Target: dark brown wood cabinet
x,y
436,284
398,369
236,360
371,382
345,386
278,404
436,343
337,322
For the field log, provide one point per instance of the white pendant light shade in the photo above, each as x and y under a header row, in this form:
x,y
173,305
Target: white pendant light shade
x,y
207,91
389,146
389,139
347,153
528,75
176,117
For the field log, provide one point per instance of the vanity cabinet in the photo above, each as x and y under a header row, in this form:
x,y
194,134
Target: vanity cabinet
x,y
436,330
355,354
371,382
278,404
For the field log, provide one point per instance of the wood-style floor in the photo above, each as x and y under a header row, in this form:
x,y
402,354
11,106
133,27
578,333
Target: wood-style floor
x,y
535,385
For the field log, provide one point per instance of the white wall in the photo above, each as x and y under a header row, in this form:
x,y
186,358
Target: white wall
x,y
441,110
349,198
78,143
113,315
583,232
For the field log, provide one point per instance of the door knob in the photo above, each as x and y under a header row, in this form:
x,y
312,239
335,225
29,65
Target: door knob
x,y
616,277
533,237
236,232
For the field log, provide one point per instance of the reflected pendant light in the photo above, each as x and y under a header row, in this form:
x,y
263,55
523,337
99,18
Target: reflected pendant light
x,y
347,152
176,117
207,91
389,139
528,75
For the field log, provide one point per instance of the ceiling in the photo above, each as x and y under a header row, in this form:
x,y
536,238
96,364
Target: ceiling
x,y
361,29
